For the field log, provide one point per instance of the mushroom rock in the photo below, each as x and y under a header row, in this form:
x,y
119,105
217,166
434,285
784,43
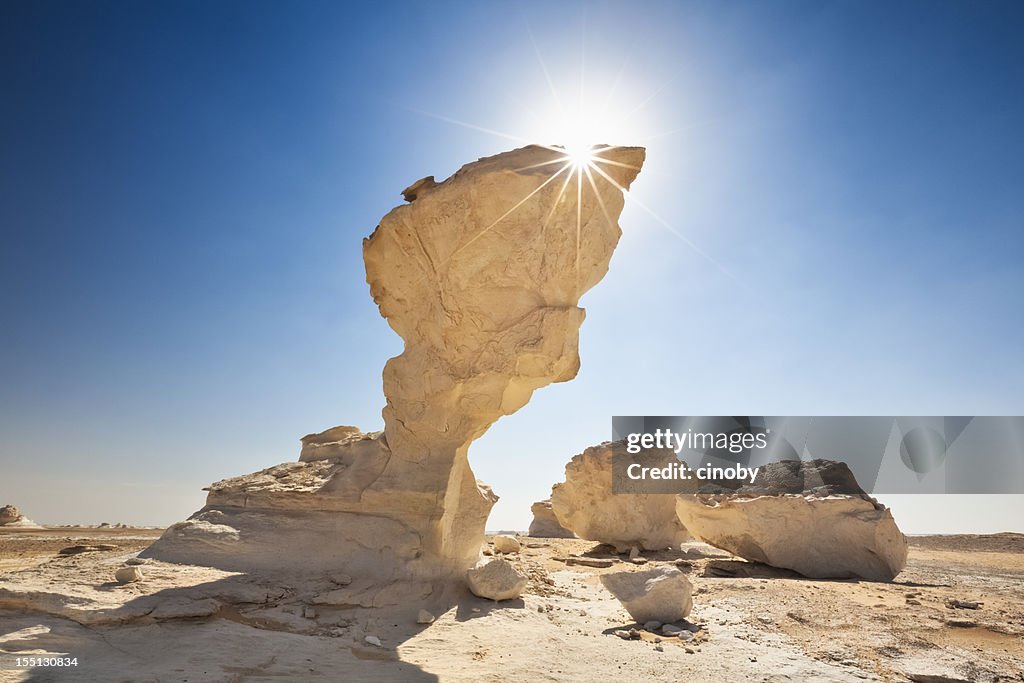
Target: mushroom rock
x,y
808,516
587,503
10,516
480,275
545,524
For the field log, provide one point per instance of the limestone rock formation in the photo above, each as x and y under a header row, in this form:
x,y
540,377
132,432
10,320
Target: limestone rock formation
x,y
663,594
545,524
10,516
496,580
585,504
807,516
481,276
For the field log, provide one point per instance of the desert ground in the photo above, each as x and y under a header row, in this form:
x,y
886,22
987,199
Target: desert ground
x,y
185,623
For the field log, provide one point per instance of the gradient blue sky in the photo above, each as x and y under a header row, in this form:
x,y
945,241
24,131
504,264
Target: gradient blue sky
x,y
184,188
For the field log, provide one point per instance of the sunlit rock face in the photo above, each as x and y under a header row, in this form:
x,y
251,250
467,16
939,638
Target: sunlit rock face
x,y
808,516
584,502
480,275
545,524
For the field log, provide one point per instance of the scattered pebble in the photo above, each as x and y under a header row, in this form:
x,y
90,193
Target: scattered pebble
x,y
309,612
341,579
652,626
962,604
373,640
424,617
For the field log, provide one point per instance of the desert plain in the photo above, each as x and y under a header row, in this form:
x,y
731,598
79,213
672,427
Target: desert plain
x,y
757,623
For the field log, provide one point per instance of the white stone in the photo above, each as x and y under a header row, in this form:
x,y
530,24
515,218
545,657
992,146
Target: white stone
x,y
424,617
585,504
662,594
506,544
496,580
129,574
830,537
809,516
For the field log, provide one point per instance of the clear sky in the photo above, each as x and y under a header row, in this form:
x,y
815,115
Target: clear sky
x,y
184,188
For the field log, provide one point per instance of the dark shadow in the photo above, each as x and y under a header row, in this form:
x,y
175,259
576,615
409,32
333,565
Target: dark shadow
x,y
472,607
742,569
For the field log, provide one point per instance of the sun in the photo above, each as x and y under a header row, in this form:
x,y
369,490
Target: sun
x,y
579,155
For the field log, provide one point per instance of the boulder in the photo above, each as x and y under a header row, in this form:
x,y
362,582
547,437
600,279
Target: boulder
x,y
504,543
480,275
586,505
807,516
496,580
545,524
659,595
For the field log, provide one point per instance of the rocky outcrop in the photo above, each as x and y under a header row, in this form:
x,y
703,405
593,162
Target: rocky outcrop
x,y
663,594
545,524
586,505
10,516
807,516
480,275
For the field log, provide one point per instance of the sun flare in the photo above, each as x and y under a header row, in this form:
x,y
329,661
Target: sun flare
x,y
580,155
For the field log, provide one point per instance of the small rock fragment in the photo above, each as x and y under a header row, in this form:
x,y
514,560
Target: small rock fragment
x,y
596,562
373,640
424,617
309,612
962,604
652,626
340,579
128,575
623,634
961,623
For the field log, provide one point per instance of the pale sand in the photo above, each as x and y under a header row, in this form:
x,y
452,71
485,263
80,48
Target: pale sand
x,y
761,627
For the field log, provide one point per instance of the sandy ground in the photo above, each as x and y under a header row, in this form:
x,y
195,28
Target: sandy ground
x,y
196,624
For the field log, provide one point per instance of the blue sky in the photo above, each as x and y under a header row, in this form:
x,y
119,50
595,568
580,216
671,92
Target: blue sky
x,y
185,187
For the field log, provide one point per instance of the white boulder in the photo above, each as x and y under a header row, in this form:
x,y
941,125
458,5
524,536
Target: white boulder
x,y
506,544
663,594
497,579
586,505
830,529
